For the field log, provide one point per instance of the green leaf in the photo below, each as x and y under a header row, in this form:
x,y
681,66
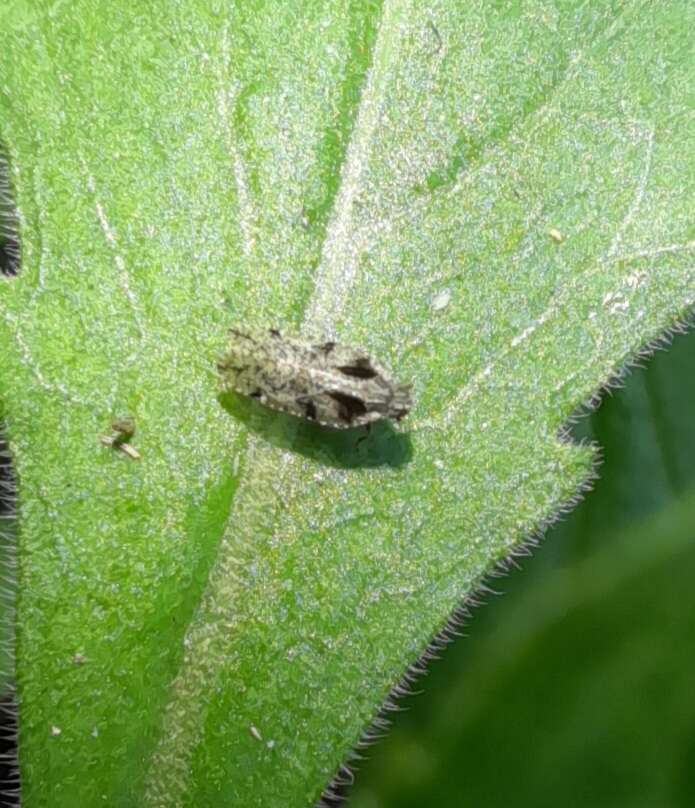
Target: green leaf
x,y
242,598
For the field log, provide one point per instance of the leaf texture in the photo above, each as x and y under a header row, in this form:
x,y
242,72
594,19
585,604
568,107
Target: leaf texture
x,y
241,599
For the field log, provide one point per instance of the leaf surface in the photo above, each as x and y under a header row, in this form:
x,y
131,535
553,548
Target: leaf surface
x,y
496,200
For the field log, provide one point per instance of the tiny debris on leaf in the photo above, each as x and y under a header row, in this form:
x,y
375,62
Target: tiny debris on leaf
x,y
255,733
441,300
556,235
55,731
331,384
123,429
131,451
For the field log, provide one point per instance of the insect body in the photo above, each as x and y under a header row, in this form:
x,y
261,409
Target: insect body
x,y
329,383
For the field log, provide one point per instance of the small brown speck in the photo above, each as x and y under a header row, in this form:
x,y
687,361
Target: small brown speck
x,y
124,429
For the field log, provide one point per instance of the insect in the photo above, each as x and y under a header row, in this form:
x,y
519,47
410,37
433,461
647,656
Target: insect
x,y
334,385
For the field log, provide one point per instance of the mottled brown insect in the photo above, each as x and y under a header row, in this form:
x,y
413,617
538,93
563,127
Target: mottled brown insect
x,y
331,384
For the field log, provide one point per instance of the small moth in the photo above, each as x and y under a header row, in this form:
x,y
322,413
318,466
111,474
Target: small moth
x,y
331,384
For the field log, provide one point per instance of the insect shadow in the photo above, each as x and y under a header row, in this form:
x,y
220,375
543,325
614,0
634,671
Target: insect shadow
x,y
381,445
